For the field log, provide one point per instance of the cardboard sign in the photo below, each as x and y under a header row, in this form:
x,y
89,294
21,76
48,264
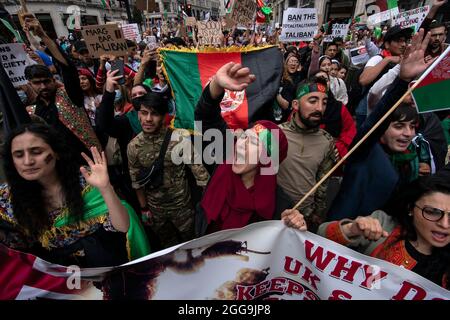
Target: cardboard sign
x,y
299,24
243,12
104,39
359,55
209,32
14,60
412,18
339,31
131,32
191,21
165,28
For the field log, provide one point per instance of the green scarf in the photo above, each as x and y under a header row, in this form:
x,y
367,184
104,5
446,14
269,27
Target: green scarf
x,y
407,164
95,208
134,121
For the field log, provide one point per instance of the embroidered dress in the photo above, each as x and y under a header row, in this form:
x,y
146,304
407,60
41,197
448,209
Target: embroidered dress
x,y
65,230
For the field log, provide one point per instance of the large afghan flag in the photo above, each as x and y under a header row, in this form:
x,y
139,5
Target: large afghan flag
x,y
189,71
433,91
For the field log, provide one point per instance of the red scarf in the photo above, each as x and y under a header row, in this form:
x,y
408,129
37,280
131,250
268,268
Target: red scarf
x,y
229,204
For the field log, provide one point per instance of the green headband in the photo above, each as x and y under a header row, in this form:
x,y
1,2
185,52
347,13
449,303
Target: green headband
x,y
310,88
267,138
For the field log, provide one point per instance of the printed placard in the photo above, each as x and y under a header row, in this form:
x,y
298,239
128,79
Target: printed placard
x,y
14,60
299,24
359,55
411,18
104,39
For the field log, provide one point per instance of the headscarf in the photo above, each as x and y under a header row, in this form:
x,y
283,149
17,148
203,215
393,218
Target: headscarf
x,y
229,203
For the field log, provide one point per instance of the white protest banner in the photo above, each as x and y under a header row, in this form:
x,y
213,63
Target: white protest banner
x,y
359,55
131,32
243,12
14,60
339,31
299,24
209,32
412,18
104,39
265,260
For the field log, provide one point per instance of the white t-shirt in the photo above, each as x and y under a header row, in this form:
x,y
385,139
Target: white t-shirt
x,y
374,61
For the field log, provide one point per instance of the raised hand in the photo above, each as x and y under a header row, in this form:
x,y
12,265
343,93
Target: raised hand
x,y
414,63
368,227
98,176
33,24
231,76
111,80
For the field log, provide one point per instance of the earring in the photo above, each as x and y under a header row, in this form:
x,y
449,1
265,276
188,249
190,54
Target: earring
x,y
410,214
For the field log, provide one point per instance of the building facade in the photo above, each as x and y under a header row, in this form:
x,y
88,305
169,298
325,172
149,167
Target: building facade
x,y
336,9
53,15
200,9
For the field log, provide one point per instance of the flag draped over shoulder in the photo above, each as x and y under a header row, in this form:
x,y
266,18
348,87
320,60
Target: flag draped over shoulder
x,y
433,91
189,71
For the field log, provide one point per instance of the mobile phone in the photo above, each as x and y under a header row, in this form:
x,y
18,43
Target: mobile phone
x,y
117,64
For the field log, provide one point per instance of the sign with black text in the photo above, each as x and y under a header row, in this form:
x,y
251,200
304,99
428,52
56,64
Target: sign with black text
x,y
209,32
299,24
104,39
14,60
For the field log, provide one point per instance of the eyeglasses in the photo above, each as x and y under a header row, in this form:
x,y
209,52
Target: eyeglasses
x,y
433,214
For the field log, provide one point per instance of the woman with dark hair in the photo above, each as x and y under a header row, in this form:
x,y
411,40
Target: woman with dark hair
x,y
414,232
92,97
48,208
293,74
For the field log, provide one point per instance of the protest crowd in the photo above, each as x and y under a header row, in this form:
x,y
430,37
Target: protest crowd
x,y
107,148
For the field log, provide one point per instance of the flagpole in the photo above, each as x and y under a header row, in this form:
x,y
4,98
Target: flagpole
x,y
375,127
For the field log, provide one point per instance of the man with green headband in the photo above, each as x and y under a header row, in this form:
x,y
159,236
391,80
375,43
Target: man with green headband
x,y
311,152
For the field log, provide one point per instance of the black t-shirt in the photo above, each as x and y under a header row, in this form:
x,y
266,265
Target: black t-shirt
x,y
430,267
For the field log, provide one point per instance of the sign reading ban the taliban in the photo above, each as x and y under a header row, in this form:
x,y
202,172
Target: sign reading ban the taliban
x,y
299,24
104,39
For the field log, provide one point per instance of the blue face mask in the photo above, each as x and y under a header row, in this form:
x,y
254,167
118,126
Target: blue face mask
x,y
22,95
118,97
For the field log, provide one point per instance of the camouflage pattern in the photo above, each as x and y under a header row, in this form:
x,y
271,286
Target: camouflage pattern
x,y
170,204
312,153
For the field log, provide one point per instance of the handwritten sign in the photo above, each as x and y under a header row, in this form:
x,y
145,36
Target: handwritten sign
x,y
299,24
209,32
243,12
412,18
131,32
191,21
104,39
14,60
339,31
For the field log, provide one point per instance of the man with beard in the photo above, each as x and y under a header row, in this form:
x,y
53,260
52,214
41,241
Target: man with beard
x,y
60,107
311,152
438,36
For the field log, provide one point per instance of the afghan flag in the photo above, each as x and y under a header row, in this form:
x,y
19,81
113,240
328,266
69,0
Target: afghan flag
x,y
106,4
433,91
189,71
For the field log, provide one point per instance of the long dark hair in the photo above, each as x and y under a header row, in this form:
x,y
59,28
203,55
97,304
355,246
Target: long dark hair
x,y
401,205
27,196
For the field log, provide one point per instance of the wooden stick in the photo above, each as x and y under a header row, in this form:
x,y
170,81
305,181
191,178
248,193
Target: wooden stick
x,y
23,4
325,177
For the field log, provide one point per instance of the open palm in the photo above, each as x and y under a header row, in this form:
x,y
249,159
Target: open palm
x,y
414,63
98,175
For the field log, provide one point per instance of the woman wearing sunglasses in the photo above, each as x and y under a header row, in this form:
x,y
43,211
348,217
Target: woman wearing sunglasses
x,y
414,232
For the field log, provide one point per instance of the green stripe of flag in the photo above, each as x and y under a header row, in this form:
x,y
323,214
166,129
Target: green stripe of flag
x,y
433,97
183,71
